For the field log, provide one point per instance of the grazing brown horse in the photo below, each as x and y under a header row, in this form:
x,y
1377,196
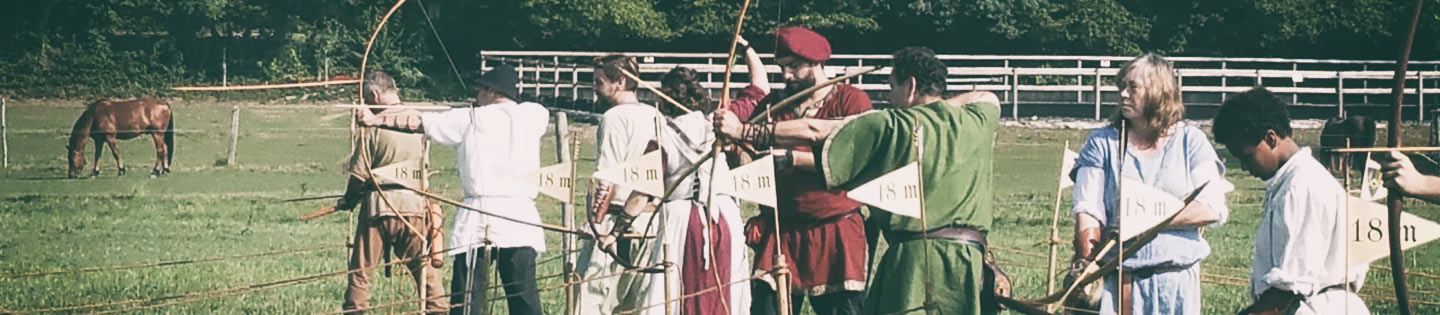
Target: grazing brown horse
x,y
110,120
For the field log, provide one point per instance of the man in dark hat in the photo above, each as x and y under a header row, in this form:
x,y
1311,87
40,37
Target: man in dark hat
x,y
496,138
822,231
400,220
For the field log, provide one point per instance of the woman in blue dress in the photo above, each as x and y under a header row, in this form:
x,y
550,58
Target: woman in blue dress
x,y
1166,153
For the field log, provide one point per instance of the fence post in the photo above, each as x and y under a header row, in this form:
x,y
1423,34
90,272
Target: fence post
x,y
1079,81
860,63
556,82
1340,92
1097,93
1223,83
567,211
224,66
1180,85
574,86
234,134
1295,98
1014,94
1420,94
4,137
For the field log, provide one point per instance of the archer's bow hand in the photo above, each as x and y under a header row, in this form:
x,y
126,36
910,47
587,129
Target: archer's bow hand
x,y
1400,173
727,124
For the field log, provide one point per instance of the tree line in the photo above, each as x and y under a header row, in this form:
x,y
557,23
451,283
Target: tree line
x,y
86,48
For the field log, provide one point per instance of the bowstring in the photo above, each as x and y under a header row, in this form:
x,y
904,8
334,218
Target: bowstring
x,y
443,49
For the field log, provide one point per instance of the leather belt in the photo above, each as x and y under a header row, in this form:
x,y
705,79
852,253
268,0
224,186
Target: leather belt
x,y
952,232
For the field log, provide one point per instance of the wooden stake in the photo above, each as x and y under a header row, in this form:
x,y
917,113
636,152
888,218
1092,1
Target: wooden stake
x,y
234,134
564,153
4,137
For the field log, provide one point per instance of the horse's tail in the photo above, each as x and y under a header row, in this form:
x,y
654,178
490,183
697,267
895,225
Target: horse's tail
x,y
170,140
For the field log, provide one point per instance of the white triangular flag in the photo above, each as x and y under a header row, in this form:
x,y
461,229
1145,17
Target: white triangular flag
x,y
897,192
406,173
1372,187
643,174
1067,163
1144,207
553,181
754,182
1367,231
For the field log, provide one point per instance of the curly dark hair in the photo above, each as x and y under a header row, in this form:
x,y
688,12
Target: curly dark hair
x,y
1245,117
920,63
683,84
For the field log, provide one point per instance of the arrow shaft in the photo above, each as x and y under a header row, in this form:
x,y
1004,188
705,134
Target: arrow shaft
x,y
1386,149
312,198
797,97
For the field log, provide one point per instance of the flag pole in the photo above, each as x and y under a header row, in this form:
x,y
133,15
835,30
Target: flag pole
x,y
1120,306
1055,228
924,224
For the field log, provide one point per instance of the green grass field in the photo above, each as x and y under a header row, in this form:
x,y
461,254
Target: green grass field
x,y
206,209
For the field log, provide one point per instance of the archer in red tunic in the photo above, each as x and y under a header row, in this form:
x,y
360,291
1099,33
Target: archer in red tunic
x,y
821,231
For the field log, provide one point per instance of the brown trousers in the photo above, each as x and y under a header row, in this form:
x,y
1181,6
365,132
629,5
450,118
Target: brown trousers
x,y
372,235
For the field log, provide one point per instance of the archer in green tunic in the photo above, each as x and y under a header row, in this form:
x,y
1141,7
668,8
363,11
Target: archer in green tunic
x,y
958,135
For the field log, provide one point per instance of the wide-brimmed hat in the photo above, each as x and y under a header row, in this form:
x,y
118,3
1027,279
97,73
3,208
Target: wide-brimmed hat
x,y
502,79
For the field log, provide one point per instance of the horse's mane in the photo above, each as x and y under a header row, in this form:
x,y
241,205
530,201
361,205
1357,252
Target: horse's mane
x,y
81,129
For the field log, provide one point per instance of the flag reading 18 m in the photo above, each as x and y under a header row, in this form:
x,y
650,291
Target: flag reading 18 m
x,y
754,182
554,180
1144,207
406,173
897,192
1367,229
643,175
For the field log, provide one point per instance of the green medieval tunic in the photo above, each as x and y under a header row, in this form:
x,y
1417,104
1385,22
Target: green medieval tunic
x,y
956,171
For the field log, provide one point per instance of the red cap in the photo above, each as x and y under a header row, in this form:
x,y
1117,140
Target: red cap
x,y
802,42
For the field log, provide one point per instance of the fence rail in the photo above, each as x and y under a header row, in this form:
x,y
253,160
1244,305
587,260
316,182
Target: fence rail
x,y
1077,86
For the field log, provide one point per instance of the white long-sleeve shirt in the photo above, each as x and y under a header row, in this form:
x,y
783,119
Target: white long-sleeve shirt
x,y
1300,244
495,145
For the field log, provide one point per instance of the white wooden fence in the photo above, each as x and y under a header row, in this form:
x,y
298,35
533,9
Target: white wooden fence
x,y
1036,85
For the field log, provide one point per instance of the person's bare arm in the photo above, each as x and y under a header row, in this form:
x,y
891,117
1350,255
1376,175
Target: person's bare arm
x,y
405,121
804,160
1400,173
806,131
637,203
758,77
1194,215
1087,235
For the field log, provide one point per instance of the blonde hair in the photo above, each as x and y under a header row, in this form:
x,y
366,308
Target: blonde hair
x,y
1161,94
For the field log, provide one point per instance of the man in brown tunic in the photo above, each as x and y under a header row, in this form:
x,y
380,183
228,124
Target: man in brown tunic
x,y
402,221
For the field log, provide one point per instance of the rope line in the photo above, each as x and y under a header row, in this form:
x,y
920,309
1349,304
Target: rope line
x,y
697,293
199,295
170,262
